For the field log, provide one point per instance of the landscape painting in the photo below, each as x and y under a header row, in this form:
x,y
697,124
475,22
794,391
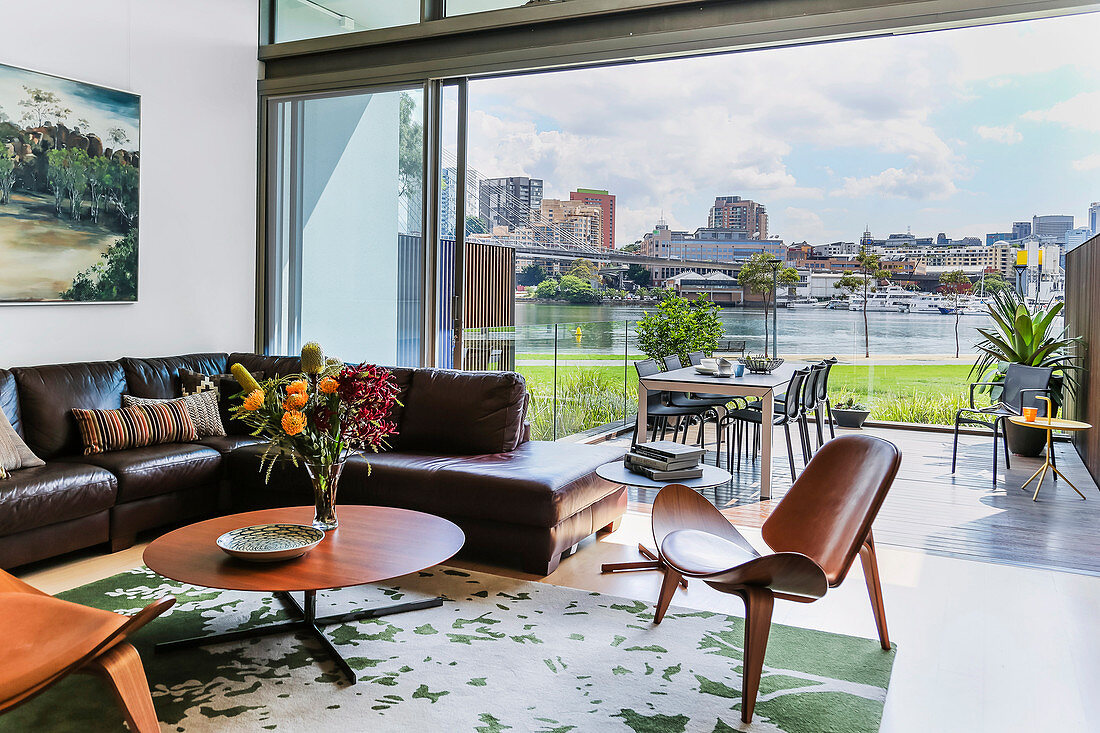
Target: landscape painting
x,y
69,170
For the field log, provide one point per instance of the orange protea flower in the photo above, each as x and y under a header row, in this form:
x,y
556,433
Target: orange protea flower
x,y
328,385
299,386
294,422
296,400
254,400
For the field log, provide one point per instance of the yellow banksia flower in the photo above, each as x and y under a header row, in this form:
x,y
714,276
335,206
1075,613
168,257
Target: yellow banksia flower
x,y
297,387
296,400
244,378
313,358
328,385
254,400
294,422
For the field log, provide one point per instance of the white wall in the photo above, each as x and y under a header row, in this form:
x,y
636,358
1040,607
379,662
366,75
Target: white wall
x,y
194,65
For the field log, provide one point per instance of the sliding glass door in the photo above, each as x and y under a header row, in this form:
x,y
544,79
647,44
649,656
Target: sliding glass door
x,y
345,254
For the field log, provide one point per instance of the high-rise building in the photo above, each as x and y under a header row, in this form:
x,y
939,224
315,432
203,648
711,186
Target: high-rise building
x,y
512,202
994,237
1094,217
1052,225
1021,229
606,202
569,222
747,218
448,201
1076,237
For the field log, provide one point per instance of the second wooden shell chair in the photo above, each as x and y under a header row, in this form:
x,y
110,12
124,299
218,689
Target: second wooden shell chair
x,y
46,639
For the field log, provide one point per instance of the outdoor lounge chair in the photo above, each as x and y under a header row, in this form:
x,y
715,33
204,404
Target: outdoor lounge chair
x,y
1021,387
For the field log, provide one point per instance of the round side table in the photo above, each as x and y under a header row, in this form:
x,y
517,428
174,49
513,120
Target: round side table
x,y
616,472
1050,425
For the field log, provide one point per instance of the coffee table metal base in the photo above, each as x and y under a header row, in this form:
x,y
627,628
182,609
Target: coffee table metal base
x,y
307,621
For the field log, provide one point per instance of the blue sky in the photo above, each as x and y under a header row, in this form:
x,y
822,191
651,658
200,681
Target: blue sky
x,y
961,131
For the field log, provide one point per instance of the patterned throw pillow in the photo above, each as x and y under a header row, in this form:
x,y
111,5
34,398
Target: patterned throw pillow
x,y
226,387
135,427
202,407
14,453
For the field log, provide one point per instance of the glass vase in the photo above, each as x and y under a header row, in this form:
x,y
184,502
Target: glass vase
x,y
325,478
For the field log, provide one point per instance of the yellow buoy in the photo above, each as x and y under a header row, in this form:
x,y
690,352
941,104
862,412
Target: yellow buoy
x,y
577,334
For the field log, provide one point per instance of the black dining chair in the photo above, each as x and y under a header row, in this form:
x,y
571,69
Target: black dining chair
x,y
715,403
660,408
809,406
783,414
824,409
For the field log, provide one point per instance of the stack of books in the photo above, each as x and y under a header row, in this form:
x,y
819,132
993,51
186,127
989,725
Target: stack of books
x,y
665,460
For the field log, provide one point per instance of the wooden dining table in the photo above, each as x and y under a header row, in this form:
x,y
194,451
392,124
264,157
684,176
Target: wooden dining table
x,y
760,386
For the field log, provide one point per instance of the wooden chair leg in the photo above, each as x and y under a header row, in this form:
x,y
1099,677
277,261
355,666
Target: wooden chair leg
x,y
874,589
758,624
121,667
668,588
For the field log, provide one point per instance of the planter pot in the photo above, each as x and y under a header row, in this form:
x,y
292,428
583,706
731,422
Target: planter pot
x,y
1025,441
850,418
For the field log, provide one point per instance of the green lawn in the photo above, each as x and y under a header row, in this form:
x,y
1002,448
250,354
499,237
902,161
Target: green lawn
x,y
922,393
578,357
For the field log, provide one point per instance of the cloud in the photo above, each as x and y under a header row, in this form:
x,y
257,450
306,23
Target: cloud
x,y
862,119
803,225
1007,134
898,183
1081,112
1088,163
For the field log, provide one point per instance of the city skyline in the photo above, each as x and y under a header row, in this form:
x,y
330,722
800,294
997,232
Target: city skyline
x,y
962,131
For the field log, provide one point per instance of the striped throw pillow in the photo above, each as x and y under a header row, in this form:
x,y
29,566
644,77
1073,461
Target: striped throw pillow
x,y
135,426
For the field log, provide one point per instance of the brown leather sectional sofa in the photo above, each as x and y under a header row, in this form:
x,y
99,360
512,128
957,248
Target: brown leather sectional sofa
x,y
462,452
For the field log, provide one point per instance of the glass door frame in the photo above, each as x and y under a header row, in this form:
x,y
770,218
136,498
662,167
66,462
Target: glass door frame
x,y
272,222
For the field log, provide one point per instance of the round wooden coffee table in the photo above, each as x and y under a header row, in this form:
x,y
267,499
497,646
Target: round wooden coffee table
x,y
371,544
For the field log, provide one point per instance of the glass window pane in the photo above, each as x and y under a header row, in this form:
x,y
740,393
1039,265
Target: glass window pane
x,y
298,19
346,267
464,7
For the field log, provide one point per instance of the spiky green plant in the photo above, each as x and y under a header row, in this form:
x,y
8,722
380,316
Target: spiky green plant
x,y
1024,336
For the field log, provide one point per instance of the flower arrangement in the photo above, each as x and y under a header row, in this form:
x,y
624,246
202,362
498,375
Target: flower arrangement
x,y
320,416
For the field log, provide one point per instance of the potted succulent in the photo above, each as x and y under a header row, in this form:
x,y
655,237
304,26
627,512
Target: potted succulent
x,y
848,413
1022,335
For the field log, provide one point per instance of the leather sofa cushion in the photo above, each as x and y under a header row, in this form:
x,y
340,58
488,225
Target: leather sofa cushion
x,y
47,394
56,492
271,366
539,484
159,378
229,443
9,400
159,469
465,413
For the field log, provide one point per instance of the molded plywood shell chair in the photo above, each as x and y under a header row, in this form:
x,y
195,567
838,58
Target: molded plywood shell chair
x,y
48,638
815,532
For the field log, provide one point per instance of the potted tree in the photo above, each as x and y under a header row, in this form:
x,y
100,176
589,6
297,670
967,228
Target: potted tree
x,y
1021,335
849,413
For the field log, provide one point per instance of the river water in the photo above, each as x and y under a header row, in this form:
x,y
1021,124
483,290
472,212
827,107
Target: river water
x,y
809,331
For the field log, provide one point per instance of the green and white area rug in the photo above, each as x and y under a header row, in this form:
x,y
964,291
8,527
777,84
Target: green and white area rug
x,y
501,655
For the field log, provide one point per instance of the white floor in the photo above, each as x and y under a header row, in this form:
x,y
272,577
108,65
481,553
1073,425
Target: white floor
x,y
981,647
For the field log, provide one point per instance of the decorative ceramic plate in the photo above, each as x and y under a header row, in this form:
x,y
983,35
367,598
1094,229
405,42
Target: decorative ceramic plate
x,y
270,542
